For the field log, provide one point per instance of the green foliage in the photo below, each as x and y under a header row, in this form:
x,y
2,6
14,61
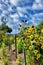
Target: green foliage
x,y
5,28
20,45
5,39
32,37
39,26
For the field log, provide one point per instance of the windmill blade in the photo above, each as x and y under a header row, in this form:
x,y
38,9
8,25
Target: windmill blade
x,y
4,19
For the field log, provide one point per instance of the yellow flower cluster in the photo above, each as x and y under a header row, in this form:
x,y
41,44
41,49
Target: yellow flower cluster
x,y
29,29
33,41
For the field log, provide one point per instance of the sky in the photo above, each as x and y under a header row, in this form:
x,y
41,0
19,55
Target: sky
x,y
17,10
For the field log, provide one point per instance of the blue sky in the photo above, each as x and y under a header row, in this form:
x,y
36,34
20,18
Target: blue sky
x,y
17,10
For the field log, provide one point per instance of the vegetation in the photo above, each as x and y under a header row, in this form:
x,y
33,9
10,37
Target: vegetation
x,y
32,39
29,43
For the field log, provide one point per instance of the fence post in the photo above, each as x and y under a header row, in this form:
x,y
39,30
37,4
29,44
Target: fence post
x,y
15,47
25,56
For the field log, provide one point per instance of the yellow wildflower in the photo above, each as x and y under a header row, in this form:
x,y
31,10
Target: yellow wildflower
x,y
40,39
31,36
42,47
35,51
38,55
17,60
30,47
42,31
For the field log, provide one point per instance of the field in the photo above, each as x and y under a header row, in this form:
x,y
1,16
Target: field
x,y
24,48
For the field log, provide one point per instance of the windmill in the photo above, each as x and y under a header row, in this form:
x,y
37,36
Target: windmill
x,y
6,28
4,20
24,21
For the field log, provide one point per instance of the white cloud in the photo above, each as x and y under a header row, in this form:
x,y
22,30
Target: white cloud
x,y
20,14
38,1
16,21
21,9
40,14
37,18
4,12
38,4
5,1
14,16
0,5
9,9
14,2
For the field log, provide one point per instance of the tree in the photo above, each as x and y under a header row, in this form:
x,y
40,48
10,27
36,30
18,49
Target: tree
x,y
4,39
5,28
39,26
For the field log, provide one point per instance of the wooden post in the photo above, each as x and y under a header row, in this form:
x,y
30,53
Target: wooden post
x,y
25,56
9,46
15,47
